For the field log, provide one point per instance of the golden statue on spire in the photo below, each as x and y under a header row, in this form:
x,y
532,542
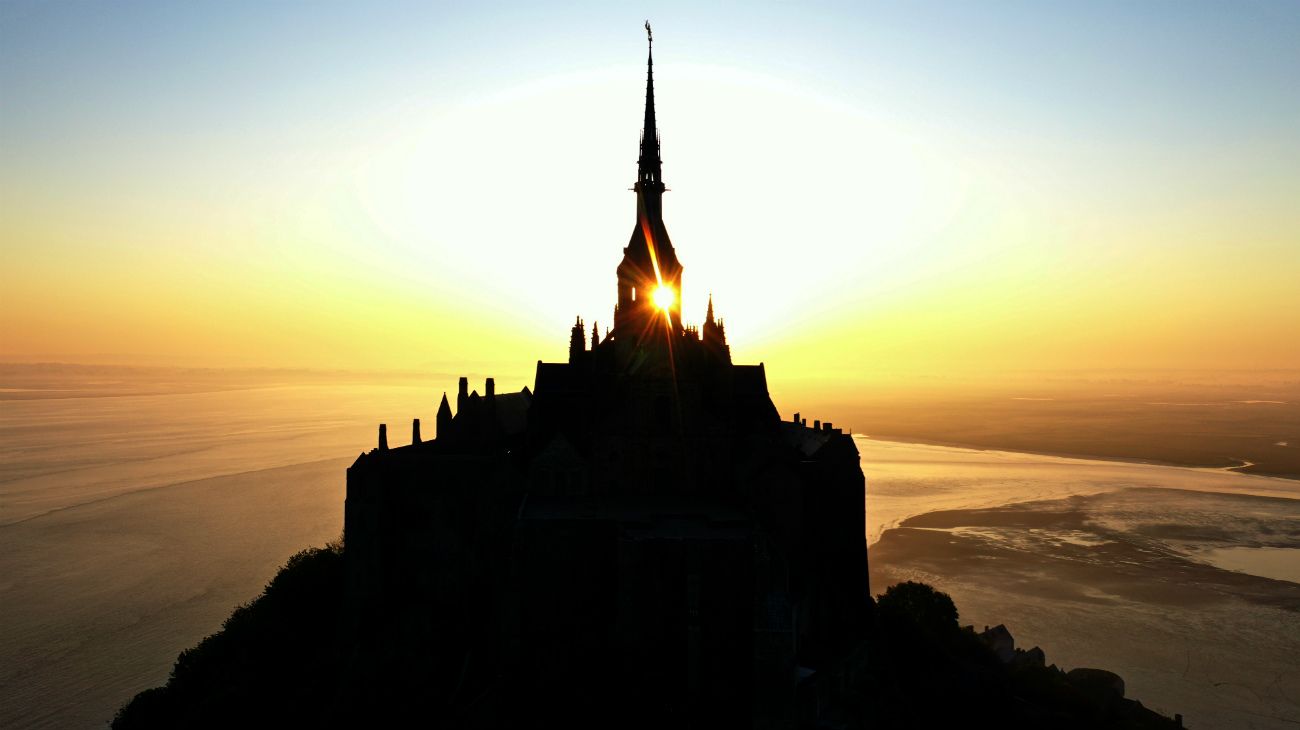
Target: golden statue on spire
x,y
649,36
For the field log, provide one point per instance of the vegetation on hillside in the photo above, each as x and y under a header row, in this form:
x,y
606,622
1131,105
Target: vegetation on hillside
x,y
279,660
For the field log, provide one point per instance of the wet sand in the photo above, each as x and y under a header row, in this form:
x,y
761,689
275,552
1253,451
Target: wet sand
x,y
1118,569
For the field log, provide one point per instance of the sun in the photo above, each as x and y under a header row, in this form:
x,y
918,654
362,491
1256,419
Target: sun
x,y
664,296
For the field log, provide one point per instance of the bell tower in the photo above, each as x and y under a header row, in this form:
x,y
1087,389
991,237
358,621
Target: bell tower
x,y
649,277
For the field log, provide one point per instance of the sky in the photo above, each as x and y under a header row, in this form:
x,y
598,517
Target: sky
x,y
864,188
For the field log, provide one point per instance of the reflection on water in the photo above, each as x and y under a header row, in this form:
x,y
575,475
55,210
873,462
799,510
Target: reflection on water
x,y
908,479
130,526
1267,562
60,452
1123,566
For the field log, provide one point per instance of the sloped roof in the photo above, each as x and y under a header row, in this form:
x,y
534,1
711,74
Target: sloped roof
x,y
512,411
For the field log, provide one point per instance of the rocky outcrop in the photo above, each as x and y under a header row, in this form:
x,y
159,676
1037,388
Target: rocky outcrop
x,y
1098,692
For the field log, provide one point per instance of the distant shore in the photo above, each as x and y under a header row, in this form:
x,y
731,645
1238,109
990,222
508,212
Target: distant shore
x,y
1245,467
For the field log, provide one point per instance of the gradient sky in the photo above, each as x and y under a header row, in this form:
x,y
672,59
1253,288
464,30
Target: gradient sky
x,y
885,187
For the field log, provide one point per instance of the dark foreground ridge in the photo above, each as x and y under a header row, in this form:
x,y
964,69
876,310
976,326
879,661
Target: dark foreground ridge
x,y
282,661
640,540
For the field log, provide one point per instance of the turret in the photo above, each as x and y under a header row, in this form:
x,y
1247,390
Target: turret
x,y
576,344
444,419
714,335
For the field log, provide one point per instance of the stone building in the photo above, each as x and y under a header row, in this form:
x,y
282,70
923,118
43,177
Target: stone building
x,y
640,536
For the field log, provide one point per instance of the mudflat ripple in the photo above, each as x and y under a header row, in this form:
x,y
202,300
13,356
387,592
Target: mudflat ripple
x,y
1183,591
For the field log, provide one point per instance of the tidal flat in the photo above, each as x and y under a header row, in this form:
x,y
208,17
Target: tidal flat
x,y
1112,565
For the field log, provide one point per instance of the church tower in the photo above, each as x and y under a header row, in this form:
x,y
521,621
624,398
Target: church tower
x,y
637,504
649,277
714,336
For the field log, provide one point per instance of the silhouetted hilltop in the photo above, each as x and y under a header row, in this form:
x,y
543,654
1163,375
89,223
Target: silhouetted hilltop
x,y
283,660
276,659
639,540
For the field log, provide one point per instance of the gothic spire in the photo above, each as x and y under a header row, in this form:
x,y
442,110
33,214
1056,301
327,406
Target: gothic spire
x,y
708,318
577,345
649,166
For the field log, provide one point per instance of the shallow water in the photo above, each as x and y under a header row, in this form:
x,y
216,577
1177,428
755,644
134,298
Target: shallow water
x,y
1171,577
908,479
131,525
1269,562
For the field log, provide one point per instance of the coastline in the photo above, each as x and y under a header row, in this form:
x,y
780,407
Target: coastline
x,y
1173,577
1233,469
101,597
208,544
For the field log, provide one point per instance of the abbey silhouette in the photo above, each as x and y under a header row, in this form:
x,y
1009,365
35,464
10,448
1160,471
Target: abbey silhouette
x,y
639,536
638,541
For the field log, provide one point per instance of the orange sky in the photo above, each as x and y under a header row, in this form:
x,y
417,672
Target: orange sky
x,y
881,219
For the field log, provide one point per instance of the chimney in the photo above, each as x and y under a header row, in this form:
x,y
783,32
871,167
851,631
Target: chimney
x,y
383,437
827,426
817,425
803,422
415,431
796,418
462,395
490,406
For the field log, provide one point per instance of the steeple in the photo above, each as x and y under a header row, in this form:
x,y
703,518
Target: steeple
x,y
649,166
714,335
649,262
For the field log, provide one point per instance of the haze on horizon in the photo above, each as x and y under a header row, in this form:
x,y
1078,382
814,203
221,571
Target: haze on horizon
x,y
936,187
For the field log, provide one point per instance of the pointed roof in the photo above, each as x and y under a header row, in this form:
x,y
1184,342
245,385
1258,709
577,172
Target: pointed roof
x,y
708,318
444,407
649,166
649,255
